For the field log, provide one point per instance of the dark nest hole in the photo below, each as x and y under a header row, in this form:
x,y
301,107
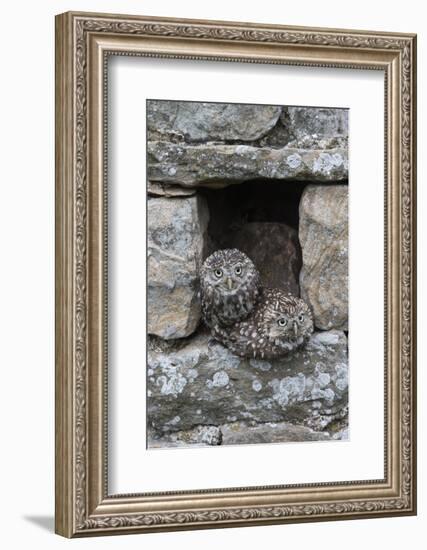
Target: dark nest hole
x,y
261,218
252,201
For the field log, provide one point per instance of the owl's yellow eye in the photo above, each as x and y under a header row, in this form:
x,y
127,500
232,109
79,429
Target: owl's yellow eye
x,y
238,270
282,322
301,317
218,273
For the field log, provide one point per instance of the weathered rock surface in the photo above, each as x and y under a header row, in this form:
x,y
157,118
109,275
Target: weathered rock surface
x,y
202,436
310,125
260,125
219,165
323,234
275,250
195,122
240,433
158,189
199,393
308,128
176,244
203,383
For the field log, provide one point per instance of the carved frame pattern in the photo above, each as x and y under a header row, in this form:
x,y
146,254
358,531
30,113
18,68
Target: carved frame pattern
x,y
83,506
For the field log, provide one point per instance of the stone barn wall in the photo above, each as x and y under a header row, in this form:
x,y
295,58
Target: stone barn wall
x,y
271,181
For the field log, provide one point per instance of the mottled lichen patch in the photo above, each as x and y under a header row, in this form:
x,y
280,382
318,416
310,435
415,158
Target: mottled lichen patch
x,y
173,385
326,163
220,379
260,364
294,161
256,385
295,388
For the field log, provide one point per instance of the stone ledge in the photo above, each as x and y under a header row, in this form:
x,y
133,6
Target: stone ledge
x,y
203,383
240,433
221,165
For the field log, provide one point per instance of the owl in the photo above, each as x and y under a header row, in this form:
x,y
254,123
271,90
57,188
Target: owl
x,y
229,288
279,324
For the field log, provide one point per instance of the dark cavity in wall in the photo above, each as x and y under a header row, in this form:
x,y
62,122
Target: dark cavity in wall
x,y
260,218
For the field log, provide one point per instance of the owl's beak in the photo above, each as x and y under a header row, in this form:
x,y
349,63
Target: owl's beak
x,y
295,329
230,283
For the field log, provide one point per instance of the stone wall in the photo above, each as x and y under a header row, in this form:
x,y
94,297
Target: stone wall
x,y
271,181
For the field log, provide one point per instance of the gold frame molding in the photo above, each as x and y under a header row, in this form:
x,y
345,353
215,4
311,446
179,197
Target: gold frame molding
x,y
83,43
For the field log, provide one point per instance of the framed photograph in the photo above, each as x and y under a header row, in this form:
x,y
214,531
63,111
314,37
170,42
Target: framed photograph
x,y
235,274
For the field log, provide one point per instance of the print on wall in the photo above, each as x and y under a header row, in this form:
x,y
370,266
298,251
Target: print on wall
x,y
247,270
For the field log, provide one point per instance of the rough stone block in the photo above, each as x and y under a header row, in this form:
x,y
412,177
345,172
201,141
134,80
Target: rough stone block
x,y
176,244
323,234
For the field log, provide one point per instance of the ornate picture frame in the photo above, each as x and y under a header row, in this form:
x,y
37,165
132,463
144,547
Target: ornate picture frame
x,y
84,42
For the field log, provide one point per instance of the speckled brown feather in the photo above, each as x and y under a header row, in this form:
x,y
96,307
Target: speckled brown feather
x,y
259,336
222,307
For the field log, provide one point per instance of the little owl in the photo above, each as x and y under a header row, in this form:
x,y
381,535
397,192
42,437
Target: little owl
x,y
230,287
279,323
